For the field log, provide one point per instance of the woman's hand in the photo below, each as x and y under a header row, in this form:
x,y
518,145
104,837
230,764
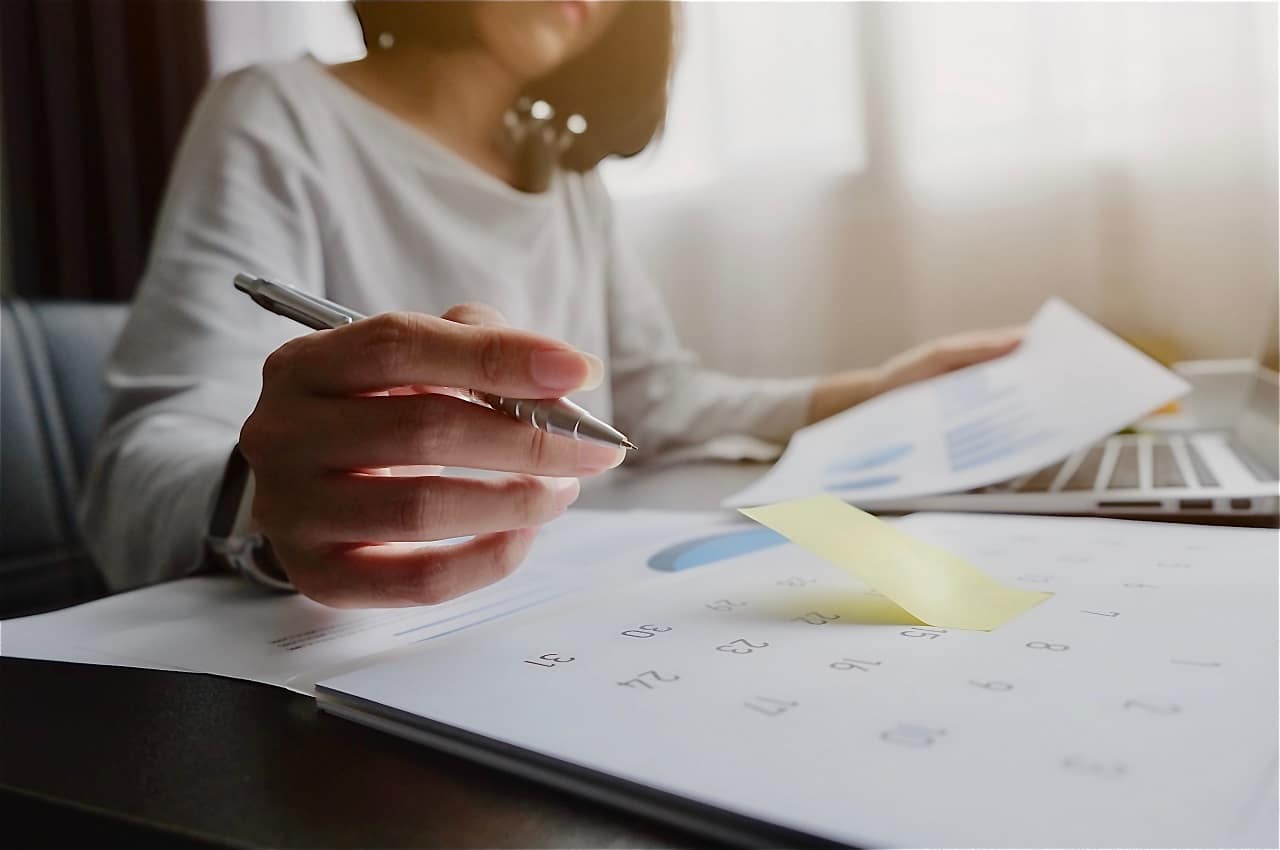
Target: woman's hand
x,y
947,354
335,414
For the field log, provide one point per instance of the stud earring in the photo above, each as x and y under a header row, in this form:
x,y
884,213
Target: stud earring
x,y
386,40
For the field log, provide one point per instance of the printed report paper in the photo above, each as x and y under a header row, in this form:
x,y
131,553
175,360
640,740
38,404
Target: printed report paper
x,y
223,624
1069,384
1135,707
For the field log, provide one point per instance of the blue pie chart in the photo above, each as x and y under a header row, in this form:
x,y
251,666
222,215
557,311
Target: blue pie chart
x,y
709,550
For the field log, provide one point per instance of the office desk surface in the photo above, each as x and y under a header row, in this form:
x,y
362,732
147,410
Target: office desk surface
x,y
104,756
98,756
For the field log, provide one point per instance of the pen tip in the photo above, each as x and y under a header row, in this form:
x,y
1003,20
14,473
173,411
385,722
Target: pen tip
x,y
629,446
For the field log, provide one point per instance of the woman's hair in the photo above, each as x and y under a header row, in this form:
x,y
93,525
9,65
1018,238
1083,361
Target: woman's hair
x,y
619,84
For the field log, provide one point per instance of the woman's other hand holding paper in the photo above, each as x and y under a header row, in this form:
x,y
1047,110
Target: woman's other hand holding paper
x,y
846,389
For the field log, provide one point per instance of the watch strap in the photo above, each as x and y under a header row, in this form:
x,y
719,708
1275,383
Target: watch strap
x,y
233,542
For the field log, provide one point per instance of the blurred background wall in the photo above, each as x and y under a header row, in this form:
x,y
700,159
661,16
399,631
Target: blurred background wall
x,y
1122,156
94,95
840,180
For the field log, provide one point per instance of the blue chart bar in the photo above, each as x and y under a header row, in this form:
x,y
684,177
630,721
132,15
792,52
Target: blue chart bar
x,y
997,435
871,458
996,421
973,457
862,483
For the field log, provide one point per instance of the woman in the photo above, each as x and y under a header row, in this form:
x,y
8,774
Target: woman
x,y
385,184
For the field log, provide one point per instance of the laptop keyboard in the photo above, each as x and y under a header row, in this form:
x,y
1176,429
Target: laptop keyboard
x,y
1126,472
1087,472
1043,480
1165,471
1207,478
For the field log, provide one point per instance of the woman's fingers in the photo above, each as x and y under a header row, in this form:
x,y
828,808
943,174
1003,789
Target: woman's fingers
x,y
347,508
340,408
404,430
475,313
404,349
962,350
391,576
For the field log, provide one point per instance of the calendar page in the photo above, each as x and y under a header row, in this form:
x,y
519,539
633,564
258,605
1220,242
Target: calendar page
x,y
1135,707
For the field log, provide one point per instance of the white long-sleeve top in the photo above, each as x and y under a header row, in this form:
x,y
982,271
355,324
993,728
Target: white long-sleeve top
x,y
287,173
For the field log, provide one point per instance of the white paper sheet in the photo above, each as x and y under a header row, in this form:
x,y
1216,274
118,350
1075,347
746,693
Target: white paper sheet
x,y
1070,383
1136,707
223,624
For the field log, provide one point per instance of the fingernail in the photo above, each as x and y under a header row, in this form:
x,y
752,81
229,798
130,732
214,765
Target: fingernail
x,y
595,372
595,457
558,369
565,492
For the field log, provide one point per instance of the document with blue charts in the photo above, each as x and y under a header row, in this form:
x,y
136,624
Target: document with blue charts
x,y
1070,383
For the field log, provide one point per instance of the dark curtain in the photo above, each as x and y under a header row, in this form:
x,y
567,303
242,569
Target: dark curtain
x,y
95,96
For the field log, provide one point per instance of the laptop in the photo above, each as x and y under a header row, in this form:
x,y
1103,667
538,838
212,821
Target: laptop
x,y
1213,469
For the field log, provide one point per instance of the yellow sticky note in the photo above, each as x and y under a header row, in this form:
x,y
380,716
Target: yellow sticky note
x,y
933,585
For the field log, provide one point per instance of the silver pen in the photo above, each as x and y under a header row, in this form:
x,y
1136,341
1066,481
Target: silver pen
x,y
555,416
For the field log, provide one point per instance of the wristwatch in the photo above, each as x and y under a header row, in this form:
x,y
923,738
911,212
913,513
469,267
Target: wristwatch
x,y
233,541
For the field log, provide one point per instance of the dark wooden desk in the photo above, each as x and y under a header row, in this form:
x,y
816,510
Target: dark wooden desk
x,y
99,756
